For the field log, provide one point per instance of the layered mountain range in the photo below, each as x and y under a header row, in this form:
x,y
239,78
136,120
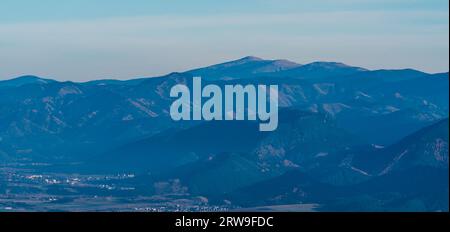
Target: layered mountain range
x,y
349,138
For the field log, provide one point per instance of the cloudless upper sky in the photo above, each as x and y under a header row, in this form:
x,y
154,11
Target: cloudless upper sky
x,y
94,39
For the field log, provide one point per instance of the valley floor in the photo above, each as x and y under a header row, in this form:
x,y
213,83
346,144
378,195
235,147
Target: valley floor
x,y
24,188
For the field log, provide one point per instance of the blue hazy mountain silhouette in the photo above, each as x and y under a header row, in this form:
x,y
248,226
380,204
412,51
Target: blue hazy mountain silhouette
x,y
348,136
417,179
24,80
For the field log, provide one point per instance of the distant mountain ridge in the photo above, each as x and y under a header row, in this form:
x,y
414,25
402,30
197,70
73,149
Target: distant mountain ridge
x,y
245,66
24,80
348,138
36,110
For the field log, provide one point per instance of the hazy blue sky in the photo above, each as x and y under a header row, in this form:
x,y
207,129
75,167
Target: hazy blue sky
x,y
94,39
